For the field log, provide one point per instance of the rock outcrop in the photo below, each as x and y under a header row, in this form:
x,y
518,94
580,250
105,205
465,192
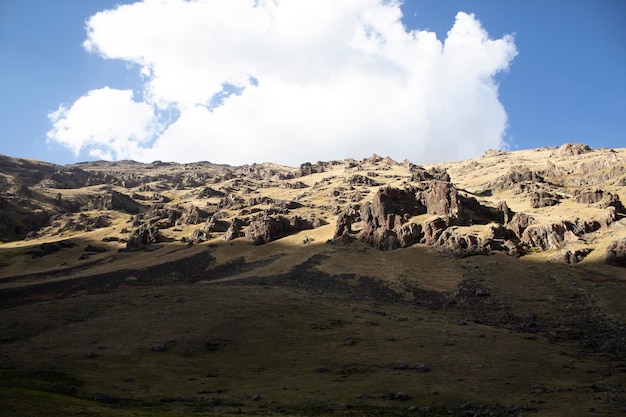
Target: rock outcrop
x,y
142,237
114,200
271,227
616,253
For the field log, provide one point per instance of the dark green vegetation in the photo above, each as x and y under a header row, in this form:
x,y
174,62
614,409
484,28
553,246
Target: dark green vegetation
x,y
512,337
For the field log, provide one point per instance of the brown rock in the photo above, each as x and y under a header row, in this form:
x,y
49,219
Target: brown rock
x,y
142,237
616,253
572,256
573,149
551,236
461,245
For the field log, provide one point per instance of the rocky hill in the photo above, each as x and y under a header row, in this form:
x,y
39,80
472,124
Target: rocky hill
x,y
565,201
487,287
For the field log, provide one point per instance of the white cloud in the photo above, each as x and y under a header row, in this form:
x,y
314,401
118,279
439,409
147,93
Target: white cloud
x,y
298,81
107,122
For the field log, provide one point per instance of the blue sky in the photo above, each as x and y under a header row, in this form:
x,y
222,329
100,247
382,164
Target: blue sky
x,y
565,83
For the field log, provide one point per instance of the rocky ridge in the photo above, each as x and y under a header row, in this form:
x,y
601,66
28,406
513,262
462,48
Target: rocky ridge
x,y
564,200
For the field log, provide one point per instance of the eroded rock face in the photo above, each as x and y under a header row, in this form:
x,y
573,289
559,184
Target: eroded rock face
x,y
268,228
114,200
440,198
234,230
573,149
345,220
460,245
572,256
551,236
142,237
384,217
616,253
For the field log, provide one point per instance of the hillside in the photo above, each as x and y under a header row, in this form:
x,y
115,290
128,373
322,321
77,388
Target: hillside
x,y
492,286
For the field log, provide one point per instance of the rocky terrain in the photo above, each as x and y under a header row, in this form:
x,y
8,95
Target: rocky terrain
x,y
530,242
563,199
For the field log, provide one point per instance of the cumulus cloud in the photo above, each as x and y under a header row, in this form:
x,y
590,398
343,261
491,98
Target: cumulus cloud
x,y
244,81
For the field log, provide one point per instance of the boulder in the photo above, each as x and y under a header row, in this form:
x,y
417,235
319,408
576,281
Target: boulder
x,y
460,245
142,237
345,220
234,230
192,215
573,149
616,253
550,236
268,228
572,256
197,236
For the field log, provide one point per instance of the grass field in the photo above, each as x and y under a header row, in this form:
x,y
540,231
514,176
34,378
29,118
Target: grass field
x,y
498,336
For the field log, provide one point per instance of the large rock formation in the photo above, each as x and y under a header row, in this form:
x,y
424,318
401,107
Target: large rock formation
x,y
114,200
142,237
271,227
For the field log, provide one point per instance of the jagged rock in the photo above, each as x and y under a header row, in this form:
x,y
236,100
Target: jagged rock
x,y
385,215
142,237
192,215
67,178
296,185
440,198
573,149
345,220
433,229
589,226
612,200
84,223
419,174
197,236
231,200
409,234
358,179
114,200
461,245
572,256
214,224
611,216
588,196
616,253
207,192
505,214
163,216
550,236
515,176
234,230
543,199
269,228
307,169
519,222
